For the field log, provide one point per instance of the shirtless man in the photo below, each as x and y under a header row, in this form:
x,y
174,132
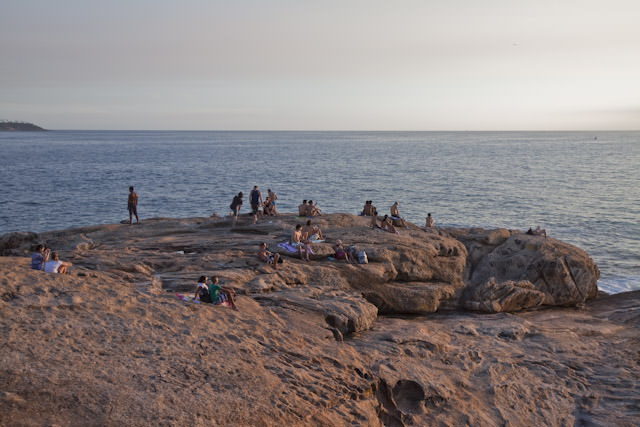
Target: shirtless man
x,y
366,210
132,205
395,214
300,242
302,208
312,232
269,257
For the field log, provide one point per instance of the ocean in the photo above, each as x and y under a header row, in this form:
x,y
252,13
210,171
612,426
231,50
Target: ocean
x,y
582,187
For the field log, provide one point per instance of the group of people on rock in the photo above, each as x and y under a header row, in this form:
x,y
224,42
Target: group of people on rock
x,y
387,222
268,205
308,209
45,260
213,293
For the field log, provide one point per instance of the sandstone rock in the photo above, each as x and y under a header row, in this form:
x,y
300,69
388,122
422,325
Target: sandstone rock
x,y
493,297
564,273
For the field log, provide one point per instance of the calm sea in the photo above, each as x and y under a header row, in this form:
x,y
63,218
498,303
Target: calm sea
x,y
581,187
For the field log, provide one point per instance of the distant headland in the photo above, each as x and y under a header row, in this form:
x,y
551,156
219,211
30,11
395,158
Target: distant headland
x,y
19,126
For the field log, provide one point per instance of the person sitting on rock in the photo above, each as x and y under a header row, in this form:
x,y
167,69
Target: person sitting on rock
x,y
395,214
374,217
341,253
57,266
269,257
298,241
267,207
366,210
387,225
312,232
537,232
429,223
313,210
302,208
214,293
40,257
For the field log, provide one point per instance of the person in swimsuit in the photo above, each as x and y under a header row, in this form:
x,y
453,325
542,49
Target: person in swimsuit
x,y
273,197
312,232
302,208
298,241
387,225
269,257
132,205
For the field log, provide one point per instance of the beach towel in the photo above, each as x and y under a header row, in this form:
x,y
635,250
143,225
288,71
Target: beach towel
x,y
292,249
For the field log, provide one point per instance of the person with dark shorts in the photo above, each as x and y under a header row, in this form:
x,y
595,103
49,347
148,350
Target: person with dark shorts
x,y
255,197
132,205
235,207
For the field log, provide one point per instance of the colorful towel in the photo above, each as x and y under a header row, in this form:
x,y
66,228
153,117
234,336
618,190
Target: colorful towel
x,y
292,249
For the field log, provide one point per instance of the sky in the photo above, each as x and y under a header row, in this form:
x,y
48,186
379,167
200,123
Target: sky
x,y
321,65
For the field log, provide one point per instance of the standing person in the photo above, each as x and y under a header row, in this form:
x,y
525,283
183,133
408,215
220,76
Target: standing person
x,y
273,197
132,205
235,208
57,266
255,197
429,221
40,257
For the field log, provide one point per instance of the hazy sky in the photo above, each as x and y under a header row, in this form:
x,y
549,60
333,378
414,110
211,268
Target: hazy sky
x,y
321,65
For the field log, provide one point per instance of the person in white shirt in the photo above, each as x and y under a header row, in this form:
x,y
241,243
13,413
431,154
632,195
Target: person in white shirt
x,y
57,266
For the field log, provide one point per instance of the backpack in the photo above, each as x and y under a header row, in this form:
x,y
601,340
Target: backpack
x,y
362,257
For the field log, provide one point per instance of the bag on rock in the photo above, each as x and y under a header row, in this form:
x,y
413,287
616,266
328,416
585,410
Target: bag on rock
x,y
362,257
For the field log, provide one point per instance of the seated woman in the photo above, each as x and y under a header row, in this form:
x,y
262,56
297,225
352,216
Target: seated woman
x,y
341,253
312,232
214,293
269,257
267,207
57,266
313,210
387,225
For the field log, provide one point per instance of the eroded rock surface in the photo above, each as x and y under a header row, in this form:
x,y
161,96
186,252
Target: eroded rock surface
x,y
111,344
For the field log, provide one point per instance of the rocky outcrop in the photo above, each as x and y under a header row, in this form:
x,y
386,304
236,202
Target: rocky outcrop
x,y
524,271
112,345
414,272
